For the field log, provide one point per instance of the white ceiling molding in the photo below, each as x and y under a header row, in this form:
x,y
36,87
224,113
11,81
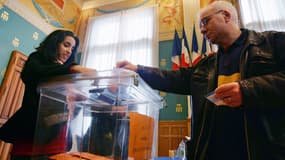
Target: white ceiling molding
x,y
79,3
24,12
87,4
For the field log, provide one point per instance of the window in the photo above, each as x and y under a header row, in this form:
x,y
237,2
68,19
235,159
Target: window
x,y
128,35
263,15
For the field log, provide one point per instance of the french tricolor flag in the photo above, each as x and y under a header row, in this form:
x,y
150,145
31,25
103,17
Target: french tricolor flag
x,y
176,51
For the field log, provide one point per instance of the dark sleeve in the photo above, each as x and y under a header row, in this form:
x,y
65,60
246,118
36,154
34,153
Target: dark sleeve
x,y
268,90
37,68
167,80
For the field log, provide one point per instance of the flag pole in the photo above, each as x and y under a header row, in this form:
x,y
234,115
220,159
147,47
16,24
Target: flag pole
x,y
190,57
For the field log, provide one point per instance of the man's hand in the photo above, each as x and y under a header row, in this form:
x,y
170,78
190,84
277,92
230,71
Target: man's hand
x,y
127,65
230,93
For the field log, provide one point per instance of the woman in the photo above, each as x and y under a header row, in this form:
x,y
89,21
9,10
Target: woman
x,y
54,56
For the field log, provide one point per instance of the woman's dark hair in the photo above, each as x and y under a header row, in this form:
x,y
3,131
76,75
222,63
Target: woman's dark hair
x,y
49,46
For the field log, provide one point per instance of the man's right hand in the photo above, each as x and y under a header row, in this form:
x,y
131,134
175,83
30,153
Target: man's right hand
x,y
127,65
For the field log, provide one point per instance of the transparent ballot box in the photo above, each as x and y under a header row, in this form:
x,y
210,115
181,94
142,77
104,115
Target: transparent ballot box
x,y
98,115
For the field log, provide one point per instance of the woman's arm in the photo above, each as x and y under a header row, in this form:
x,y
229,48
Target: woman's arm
x,y
80,69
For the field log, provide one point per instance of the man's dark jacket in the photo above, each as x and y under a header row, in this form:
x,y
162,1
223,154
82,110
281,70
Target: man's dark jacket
x,y
262,69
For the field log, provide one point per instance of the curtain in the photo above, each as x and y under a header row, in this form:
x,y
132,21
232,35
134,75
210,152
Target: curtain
x,y
127,35
262,15
81,26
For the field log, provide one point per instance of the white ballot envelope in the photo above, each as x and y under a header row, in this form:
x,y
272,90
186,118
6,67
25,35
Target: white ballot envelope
x,y
217,101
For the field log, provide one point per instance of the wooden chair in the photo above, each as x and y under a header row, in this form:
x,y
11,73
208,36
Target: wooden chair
x,y
11,95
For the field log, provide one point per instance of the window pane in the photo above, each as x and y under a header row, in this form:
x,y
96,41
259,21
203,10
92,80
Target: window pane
x,y
128,35
263,14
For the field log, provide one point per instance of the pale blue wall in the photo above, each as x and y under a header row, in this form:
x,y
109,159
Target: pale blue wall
x,y
169,113
15,26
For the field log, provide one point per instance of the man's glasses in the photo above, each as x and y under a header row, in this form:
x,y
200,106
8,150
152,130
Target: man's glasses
x,y
206,19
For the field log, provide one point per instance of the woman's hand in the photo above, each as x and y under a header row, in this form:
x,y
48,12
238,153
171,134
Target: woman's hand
x,y
80,69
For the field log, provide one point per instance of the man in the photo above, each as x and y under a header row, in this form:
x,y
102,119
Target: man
x,y
247,75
